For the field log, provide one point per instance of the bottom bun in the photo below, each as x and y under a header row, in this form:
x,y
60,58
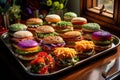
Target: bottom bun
x,y
27,57
100,48
86,54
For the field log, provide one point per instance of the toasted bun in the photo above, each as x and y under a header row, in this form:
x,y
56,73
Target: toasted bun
x,y
79,20
53,39
45,29
71,34
100,48
53,18
22,34
34,21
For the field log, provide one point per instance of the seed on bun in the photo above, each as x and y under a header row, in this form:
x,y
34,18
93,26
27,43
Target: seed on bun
x,y
51,42
69,15
78,22
52,19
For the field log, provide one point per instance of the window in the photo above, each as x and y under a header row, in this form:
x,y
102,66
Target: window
x,y
104,12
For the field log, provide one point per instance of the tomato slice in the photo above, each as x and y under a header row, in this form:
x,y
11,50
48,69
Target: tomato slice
x,y
42,54
43,70
38,60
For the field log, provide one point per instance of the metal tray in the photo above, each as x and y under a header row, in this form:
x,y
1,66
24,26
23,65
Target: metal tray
x,y
25,66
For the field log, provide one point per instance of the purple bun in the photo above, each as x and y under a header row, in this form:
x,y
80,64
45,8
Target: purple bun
x,y
27,43
102,35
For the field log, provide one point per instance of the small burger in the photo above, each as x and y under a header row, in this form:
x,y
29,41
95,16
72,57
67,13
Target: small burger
x,y
52,19
42,64
65,56
33,23
63,26
44,31
88,29
69,15
51,42
16,27
22,35
78,22
102,40
27,49
85,48
71,37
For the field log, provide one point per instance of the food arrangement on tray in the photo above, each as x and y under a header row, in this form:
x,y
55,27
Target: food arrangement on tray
x,y
53,44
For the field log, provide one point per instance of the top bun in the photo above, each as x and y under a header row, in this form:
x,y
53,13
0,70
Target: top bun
x,y
79,19
17,27
69,15
45,29
53,18
90,27
72,34
22,34
34,21
53,40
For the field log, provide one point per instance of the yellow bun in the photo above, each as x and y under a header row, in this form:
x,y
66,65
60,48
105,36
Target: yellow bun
x,y
53,18
34,21
79,19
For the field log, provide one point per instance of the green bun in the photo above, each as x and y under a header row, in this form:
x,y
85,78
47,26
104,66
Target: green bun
x,y
90,27
17,27
69,15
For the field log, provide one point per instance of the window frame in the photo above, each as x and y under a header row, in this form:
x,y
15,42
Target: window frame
x,y
92,14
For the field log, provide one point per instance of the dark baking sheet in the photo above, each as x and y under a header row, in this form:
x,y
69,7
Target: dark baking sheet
x,y
25,65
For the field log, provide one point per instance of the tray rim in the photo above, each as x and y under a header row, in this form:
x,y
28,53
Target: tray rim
x,y
65,68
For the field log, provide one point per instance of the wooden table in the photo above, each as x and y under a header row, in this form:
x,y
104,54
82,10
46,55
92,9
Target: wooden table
x,y
89,71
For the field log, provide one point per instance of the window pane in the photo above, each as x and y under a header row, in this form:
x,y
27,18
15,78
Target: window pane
x,y
109,4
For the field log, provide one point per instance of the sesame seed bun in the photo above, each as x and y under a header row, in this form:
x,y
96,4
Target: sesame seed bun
x,y
34,21
45,29
53,39
53,18
21,34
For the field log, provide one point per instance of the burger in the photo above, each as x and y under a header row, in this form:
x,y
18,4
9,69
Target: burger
x,y
85,48
44,31
63,26
22,35
33,23
52,19
78,22
27,49
42,64
102,40
51,42
71,37
69,15
16,27
65,56
88,29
